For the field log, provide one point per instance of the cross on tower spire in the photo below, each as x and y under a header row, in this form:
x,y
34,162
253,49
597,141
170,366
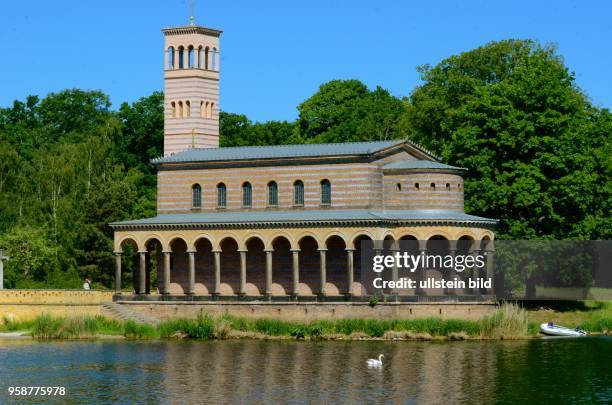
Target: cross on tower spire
x,y
191,12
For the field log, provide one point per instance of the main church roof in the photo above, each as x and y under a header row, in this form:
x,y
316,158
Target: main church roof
x,y
289,151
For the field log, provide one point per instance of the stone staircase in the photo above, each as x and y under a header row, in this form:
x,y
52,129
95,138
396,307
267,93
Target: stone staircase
x,y
123,313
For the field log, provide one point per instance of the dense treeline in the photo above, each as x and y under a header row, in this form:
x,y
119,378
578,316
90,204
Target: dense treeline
x,y
538,154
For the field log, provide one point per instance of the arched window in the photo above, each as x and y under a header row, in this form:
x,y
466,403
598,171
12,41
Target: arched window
x,y
201,109
221,196
206,51
187,108
181,55
325,192
200,57
210,110
196,194
247,194
416,185
298,193
214,59
191,57
272,194
398,186
171,57
433,186
173,106
180,109
448,186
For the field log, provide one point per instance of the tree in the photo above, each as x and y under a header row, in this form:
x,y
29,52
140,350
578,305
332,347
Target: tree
x,y
511,113
32,255
346,111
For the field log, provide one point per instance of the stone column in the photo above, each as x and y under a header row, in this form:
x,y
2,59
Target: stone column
x,y
349,271
422,272
166,274
217,288
377,252
191,286
490,253
476,272
323,271
393,250
185,58
296,271
117,272
451,274
268,271
176,58
242,272
166,59
142,269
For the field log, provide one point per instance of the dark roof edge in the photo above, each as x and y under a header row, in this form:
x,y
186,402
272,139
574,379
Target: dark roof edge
x,y
485,223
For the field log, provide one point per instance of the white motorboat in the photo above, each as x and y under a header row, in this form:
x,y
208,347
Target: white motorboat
x,y
555,330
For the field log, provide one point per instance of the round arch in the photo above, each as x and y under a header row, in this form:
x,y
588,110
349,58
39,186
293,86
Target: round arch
x,y
194,242
281,235
306,235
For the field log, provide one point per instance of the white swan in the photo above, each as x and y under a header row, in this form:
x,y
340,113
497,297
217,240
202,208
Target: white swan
x,y
374,362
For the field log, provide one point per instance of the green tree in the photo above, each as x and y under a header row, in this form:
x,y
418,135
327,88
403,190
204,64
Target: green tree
x,y
511,113
347,111
32,255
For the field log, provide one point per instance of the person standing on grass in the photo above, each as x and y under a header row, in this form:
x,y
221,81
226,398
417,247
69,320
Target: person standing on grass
x,y
87,285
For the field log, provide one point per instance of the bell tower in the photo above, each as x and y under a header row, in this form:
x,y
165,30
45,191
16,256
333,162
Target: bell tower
x,y
191,88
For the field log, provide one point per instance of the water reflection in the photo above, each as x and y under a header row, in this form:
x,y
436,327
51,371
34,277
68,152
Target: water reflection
x,y
324,372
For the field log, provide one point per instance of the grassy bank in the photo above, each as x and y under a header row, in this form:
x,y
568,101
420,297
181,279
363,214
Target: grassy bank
x,y
509,321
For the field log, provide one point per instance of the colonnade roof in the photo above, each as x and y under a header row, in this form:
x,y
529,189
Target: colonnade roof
x,y
308,217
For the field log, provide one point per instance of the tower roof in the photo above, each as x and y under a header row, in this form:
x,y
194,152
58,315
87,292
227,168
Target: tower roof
x,y
192,29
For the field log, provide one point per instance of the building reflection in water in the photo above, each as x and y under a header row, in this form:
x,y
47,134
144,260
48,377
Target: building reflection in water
x,y
256,371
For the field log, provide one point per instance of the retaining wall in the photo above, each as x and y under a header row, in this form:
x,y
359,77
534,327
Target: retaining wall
x,y
24,305
303,312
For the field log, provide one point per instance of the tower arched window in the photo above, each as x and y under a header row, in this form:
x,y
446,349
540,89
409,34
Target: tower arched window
x,y
200,57
171,57
180,109
247,194
196,196
325,192
298,193
272,194
206,52
214,59
181,56
221,195
191,57
202,109
187,108
173,106
433,186
210,110
448,186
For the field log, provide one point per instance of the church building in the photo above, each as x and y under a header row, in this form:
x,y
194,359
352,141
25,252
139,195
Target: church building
x,y
276,222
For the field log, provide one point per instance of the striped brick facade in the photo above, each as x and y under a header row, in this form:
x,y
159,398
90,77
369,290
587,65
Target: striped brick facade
x,y
353,185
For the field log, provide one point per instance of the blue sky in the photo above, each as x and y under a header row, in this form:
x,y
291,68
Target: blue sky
x,y
275,54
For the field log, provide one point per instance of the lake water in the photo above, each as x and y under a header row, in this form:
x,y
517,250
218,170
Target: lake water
x,y
534,371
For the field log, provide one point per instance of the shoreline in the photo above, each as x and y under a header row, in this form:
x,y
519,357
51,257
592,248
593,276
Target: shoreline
x,y
508,322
